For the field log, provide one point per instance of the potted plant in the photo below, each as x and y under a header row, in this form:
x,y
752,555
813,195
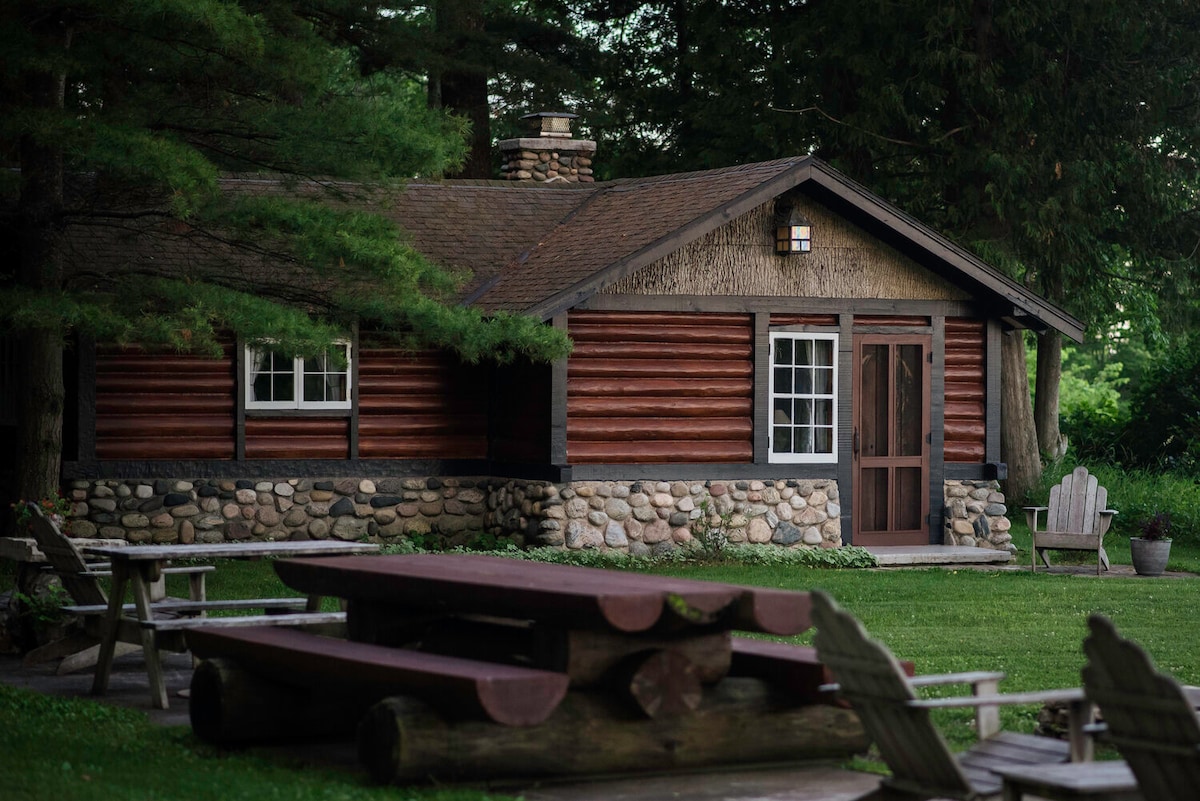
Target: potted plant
x,y
1151,549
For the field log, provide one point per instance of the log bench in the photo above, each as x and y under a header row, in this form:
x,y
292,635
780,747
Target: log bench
x,y
246,669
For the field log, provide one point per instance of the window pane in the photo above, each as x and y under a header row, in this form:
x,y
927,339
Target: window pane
x,y
824,440
804,351
781,439
316,365
823,412
314,388
804,415
783,351
283,387
803,381
260,390
804,440
824,352
823,381
783,379
783,411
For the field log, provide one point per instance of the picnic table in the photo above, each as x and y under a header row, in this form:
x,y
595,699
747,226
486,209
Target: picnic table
x,y
139,570
473,666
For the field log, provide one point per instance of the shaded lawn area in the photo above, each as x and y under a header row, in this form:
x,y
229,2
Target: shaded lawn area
x,y
1030,626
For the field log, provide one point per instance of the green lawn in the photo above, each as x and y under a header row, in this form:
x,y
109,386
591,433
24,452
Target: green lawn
x,y
1030,626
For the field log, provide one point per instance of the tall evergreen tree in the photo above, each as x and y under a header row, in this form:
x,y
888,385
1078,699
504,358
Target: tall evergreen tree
x,y
125,115
1058,139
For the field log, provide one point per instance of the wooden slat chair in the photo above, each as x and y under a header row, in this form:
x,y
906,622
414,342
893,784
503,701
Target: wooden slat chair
x,y
1148,716
82,581
1076,519
921,763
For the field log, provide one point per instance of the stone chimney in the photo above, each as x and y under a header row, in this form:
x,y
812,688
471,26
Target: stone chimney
x,y
548,153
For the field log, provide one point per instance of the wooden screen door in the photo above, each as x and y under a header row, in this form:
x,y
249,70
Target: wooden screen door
x,y
890,445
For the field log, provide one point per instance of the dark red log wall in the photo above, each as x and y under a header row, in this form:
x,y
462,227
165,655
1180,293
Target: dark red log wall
x,y
163,405
966,370
650,387
420,405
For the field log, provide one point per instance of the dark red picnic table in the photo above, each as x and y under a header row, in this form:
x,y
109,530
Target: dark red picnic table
x,y
475,665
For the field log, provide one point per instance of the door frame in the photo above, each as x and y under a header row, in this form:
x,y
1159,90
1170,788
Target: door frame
x,y
919,535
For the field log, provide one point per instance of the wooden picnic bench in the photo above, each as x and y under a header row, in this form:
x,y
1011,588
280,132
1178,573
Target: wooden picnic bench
x,y
137,569
647,665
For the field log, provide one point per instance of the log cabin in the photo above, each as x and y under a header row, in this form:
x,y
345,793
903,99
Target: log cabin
x,y
765,353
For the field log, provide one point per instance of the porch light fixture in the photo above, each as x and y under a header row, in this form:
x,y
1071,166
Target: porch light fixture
x,y
793,232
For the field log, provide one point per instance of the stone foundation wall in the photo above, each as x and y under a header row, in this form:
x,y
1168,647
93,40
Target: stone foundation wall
x,y
637,517
975,515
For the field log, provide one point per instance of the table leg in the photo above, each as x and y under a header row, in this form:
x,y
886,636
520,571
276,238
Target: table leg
x,y
143,586
112,623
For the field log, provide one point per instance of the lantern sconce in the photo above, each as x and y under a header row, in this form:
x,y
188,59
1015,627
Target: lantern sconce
x,y
793,232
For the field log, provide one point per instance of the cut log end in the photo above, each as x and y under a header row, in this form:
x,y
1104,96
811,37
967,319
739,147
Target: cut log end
x,y
666,685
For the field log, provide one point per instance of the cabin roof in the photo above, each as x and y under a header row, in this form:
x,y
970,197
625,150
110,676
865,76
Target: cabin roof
x,y
542,249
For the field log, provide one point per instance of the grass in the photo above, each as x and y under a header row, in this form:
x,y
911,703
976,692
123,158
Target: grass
x,y
1030,626
78,750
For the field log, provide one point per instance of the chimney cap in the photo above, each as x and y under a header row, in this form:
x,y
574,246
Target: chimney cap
x,y
552,123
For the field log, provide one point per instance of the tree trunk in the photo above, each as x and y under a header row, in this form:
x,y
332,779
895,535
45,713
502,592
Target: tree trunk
x,y
740,721
1018,439
41,394
1046,395
461,86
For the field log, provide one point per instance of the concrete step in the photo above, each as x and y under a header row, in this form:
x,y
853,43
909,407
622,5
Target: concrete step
x,y
906,555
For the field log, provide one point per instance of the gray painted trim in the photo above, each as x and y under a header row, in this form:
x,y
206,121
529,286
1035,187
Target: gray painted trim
x,y
239,392
783,305
558,402
970,472
762,383
305,468
701,472
992,393
354,362
847,386
937,432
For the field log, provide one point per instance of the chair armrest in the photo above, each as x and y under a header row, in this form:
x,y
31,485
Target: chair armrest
x,y
1081,714
1031,515
1002,699
1106,516
973,678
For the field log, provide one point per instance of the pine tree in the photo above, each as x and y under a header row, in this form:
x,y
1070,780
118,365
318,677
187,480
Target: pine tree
x,y
125,116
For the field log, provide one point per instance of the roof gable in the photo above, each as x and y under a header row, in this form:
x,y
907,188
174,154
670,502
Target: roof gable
x,y
624,226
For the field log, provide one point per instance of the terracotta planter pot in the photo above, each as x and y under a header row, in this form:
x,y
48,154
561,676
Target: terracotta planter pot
x,y
1149,556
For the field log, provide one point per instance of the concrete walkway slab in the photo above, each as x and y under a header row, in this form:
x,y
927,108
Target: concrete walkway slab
x,y
915,555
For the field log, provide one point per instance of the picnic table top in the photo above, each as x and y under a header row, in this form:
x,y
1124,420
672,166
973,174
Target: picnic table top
x,y
231,550
580,597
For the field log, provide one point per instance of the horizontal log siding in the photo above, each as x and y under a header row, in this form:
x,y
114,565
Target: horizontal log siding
x,y
164,405
966,371
297,438
651,387
420,405
825,320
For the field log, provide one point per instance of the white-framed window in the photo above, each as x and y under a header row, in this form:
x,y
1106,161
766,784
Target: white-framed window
x,y
276,381
803,395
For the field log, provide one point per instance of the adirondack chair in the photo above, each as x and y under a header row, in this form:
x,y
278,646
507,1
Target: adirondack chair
x,y
82,581
1076,519
1149,717
899,723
